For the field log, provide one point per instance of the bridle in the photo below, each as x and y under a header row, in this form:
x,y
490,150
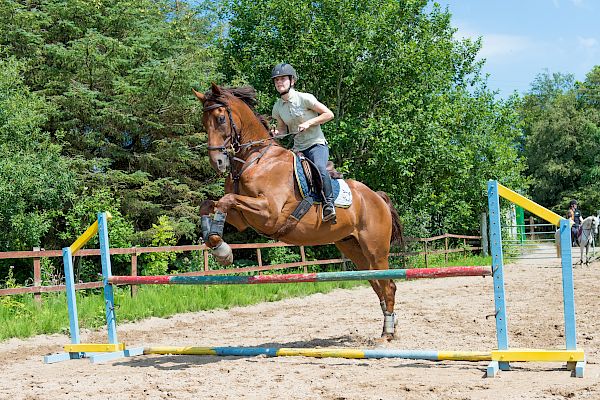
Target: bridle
x,y
232,146
236,141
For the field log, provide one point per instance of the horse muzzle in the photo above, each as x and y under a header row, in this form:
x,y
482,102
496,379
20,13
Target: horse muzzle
x,y
220,162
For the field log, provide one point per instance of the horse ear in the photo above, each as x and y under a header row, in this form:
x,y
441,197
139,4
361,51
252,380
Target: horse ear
x,y
199,95
215,89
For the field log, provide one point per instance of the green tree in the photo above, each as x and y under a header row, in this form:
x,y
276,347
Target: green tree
x,y
119,74
413,115
589,90
35,180
562,141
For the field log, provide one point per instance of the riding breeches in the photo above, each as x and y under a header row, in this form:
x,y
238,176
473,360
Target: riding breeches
x,y
319,155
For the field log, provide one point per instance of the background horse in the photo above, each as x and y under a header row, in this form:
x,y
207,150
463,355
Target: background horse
x,y
586,238
589,230
261,193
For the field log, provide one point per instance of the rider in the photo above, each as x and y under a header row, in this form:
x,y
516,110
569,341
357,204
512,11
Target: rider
x,y
302,114
574,215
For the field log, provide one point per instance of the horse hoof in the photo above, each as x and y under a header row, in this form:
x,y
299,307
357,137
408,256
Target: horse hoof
x,y
224,261
385,338
223,254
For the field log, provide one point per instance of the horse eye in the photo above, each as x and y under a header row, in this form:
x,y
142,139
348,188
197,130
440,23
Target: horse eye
x,y
221,119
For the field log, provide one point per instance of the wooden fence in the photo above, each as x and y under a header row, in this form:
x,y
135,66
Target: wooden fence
x,y
37,288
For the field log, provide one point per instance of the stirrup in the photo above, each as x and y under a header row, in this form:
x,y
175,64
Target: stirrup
x,y
330,215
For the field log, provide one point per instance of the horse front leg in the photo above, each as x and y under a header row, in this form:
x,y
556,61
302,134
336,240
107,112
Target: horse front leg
x,y
235,204
587,253
233,217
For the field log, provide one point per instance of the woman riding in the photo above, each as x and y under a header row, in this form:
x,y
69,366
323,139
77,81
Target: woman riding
x,y
574,215
302,114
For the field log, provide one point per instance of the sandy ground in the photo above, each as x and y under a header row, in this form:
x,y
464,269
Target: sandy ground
x,y
444,314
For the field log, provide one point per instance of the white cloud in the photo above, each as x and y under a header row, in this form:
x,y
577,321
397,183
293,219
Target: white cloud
x,y
496,44
576,3
587,43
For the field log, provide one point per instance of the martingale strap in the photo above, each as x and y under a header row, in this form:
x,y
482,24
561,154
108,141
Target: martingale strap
x,y
292,220
301,209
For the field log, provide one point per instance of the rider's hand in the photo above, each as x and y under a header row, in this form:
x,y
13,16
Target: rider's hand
x,y
274,132
303,126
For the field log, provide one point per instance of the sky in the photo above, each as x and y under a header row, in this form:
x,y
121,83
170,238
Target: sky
x,y
523,38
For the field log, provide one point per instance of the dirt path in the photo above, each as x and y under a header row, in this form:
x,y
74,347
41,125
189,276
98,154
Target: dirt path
x,y
444,314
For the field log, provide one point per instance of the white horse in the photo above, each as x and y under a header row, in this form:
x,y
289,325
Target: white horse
x,y
588,231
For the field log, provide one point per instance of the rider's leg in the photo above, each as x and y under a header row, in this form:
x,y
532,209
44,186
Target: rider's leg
x,y
319,154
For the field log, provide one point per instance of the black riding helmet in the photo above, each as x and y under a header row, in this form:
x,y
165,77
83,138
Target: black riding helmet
x,y
573,203
284,69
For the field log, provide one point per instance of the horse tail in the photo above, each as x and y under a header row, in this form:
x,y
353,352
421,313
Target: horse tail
x,y
397,229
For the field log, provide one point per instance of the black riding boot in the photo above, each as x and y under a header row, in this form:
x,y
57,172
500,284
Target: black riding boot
x,y
328,207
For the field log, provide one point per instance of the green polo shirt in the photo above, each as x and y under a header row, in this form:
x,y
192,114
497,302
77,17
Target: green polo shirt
x,y
296,110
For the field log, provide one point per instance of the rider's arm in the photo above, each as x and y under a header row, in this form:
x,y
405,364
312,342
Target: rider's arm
x,y
325,114
281,127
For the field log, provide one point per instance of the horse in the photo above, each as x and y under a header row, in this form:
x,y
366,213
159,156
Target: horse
x,y
589,229
261,193
585,238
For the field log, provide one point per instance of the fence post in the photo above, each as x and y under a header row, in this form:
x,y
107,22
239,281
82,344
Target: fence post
x,y
484,235
465,247
532,228
425,246
205,254
303,258
259,258
446,247
134,272
37,276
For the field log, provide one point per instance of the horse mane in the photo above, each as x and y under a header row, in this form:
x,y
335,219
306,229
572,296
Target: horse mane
x,y
245,93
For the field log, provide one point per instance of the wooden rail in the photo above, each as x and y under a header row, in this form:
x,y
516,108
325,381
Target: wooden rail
x,y
37,254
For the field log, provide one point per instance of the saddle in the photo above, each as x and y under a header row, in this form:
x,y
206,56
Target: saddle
x,y
310,184
313,177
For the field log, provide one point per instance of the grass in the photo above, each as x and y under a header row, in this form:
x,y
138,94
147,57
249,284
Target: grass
x,y
438,260
21,316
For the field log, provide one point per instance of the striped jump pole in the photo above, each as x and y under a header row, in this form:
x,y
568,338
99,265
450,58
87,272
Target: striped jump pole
x,y
431,355
416,273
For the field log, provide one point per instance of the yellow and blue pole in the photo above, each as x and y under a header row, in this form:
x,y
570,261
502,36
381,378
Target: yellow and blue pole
x,y
109,300
72,310
501,357
569,294
116,349
497,276
431,355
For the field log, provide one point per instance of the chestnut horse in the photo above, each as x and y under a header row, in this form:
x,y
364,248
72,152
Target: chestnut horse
x,y
261,193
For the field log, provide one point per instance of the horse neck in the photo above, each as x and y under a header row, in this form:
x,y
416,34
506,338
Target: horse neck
x,y
251,128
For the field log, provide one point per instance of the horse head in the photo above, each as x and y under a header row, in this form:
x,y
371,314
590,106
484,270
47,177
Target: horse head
x,y
595,224
230,122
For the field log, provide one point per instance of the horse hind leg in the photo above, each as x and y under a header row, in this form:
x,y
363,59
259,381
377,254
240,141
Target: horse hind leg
x,y
350,248
376,248
385,289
